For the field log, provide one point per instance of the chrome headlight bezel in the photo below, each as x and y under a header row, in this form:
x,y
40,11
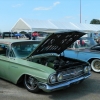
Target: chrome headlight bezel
x,y
86,69
52,78
59,77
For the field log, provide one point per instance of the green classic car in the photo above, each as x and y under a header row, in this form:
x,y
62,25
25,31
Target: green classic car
x,y
39,65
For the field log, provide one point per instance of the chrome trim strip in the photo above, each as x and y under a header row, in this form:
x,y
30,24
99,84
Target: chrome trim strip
x,y
49,88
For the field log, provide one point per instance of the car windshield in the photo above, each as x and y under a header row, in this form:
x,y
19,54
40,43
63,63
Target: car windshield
x,y
84,42
23,49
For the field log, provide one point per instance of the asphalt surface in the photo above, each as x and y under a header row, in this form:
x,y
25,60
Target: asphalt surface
x,y
89,89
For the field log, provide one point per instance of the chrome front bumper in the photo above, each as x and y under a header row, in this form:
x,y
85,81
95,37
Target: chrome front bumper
x,y
49,88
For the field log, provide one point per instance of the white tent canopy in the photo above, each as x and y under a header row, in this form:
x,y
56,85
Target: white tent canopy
x,y
52,26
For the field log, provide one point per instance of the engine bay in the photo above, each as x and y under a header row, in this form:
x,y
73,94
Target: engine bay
x,y
56,62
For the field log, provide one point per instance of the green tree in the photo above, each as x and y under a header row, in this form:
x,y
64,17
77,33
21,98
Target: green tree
x,y
23,32
95,21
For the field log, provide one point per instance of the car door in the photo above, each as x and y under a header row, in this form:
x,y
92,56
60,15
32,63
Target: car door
x,y
4,62
72,53
8,65
77,53
13,66
4,67
83,54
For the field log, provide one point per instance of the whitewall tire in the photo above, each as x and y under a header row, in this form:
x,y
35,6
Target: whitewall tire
x,y
95,65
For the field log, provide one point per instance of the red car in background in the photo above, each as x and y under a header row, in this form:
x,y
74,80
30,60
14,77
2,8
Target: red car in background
x,y
35,35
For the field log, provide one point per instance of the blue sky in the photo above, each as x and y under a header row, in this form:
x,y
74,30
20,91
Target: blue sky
x,y
59,10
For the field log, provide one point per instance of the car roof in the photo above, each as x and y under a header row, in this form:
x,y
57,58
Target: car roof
x,y
10,41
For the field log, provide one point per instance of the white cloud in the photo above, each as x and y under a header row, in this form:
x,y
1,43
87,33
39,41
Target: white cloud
x,y
17,5
47,8
43,8
56,3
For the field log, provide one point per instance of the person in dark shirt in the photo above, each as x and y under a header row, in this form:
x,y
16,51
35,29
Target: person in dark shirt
x,y
28,36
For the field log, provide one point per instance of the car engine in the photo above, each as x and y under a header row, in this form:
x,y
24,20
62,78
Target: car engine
x,y
56,62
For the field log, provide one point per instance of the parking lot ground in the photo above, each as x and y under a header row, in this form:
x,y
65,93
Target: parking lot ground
x,y
89,89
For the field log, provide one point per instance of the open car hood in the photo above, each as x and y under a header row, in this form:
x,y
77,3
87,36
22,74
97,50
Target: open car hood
x,y
57,42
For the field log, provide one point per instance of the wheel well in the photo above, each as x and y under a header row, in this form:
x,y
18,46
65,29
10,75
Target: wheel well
x,y
90,60
21,79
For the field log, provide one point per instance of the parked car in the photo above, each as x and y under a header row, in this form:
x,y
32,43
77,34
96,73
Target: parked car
x,y
89,51
18,35
8,34
39,65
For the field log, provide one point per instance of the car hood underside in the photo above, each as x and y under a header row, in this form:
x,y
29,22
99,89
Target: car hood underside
x,y
57,42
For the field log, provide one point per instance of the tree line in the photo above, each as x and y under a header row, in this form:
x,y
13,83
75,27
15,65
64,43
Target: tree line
x,y
95,21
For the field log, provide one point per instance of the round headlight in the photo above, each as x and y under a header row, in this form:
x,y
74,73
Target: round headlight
x,y
52,79
59,77
86,69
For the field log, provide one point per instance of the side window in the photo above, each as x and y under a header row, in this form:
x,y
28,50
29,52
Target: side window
x,y
3,49
76,45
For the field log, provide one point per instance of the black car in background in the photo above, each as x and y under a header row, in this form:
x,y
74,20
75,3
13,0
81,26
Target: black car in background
x,y
8,34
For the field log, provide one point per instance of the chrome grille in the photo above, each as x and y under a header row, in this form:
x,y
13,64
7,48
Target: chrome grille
x,y
72,73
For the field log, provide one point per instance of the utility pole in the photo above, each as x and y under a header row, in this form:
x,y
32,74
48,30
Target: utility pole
x,y
80,11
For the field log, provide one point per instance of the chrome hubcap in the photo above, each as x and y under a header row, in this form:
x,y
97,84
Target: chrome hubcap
x,y
31,83
97,65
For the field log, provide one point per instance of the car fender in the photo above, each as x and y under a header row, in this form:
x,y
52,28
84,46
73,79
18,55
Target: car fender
x,y
38,71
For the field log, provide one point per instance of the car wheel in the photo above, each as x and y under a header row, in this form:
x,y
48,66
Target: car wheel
x,y
95,65
31,84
